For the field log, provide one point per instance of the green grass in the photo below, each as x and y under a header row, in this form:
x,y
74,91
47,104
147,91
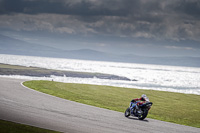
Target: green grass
x,y
167,106
11,127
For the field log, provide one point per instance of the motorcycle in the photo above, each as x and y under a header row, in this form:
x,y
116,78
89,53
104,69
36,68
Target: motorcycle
x,y
141,112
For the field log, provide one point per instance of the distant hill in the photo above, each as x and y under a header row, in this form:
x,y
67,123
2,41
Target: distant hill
x,y
13,46
10,45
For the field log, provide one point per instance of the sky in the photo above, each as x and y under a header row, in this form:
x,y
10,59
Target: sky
x,y
140,27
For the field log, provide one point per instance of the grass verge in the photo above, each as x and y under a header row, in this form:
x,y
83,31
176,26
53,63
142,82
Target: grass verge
x,y
11,127
168,106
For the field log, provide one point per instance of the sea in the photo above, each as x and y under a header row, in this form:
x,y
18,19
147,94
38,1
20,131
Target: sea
x,y
143,76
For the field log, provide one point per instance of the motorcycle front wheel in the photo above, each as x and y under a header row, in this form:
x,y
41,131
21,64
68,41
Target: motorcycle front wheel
x,y
127,112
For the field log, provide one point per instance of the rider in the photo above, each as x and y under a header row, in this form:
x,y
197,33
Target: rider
x,y
141,100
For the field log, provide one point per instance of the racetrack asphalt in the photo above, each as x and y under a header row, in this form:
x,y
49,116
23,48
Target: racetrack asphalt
x,y
26,106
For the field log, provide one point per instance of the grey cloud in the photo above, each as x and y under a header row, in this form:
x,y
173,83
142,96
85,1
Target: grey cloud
x,y
191,7
69,7
44,22
175,20
104,7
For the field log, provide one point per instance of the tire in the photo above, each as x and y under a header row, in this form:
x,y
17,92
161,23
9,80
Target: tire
x,y
127,112
144,115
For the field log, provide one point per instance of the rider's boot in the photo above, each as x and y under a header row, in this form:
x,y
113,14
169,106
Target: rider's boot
x,y
137,110
132,111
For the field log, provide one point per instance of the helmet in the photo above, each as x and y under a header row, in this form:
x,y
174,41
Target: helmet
x,y
145,97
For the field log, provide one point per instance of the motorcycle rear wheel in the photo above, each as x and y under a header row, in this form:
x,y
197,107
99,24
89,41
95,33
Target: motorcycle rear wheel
x,y
144,115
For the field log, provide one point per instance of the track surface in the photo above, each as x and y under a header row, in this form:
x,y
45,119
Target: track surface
x,y
26,106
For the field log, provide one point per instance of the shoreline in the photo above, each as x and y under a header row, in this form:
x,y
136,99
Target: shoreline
x,y
7,69
93,82
36,73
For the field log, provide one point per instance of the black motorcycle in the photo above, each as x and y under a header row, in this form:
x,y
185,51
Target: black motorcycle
x,y
141,112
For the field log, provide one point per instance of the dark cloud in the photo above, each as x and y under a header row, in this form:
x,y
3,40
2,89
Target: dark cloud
x,y
171,22
31,6
191,7
68,7
134,8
